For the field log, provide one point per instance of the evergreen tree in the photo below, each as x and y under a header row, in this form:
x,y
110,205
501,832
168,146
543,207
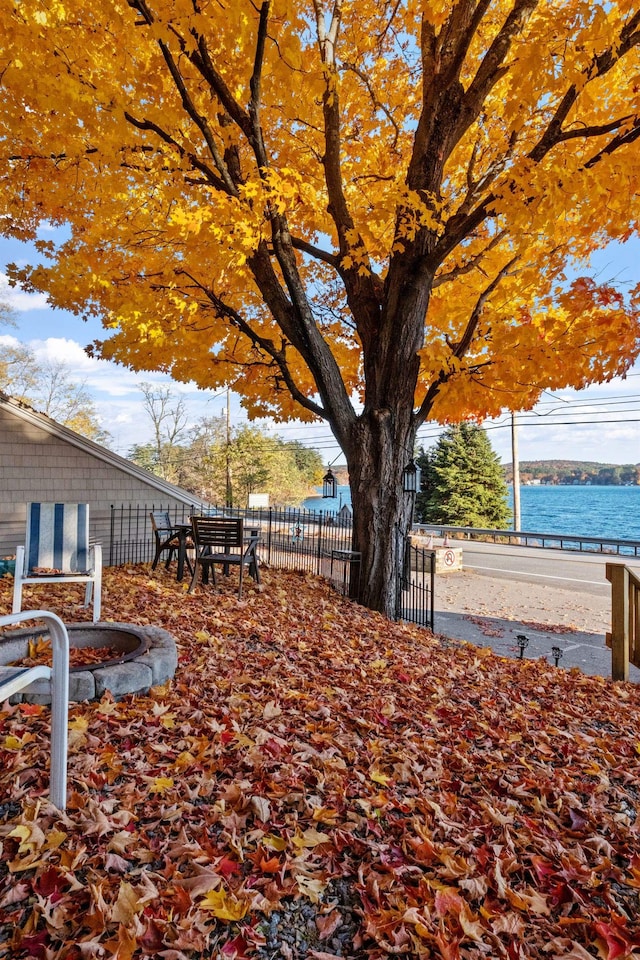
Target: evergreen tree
x,y
462,481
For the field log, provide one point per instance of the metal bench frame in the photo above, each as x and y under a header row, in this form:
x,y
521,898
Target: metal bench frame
x,y
16,679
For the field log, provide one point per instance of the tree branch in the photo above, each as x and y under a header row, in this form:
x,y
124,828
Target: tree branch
x,y
492,66
376,102
254,86
211,178
263,344
459,349
623,139
470,265
316,252
198,119
599,66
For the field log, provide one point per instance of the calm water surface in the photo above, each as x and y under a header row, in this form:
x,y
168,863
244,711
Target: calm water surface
x,y
611,512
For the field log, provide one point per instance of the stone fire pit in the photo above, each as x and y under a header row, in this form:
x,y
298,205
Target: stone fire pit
x,y
146,656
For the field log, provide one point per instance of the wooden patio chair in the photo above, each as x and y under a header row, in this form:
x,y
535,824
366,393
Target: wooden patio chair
x,y
221,540
16,679
57,550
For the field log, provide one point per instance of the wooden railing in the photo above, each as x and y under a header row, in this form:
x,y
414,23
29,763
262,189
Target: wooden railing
x,y
624,638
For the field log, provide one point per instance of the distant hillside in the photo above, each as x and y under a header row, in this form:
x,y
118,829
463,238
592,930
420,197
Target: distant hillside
x,y
576,471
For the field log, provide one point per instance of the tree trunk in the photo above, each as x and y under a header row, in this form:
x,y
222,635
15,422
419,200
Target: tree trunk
x,y
382,511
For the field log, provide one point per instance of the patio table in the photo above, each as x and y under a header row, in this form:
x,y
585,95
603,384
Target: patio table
x,y
184,532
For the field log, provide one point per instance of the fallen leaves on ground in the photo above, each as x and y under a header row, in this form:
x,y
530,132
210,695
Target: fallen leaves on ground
x,y
317,782
548,627
40,651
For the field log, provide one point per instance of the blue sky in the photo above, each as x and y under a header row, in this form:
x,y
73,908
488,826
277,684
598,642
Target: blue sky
x,y
601,423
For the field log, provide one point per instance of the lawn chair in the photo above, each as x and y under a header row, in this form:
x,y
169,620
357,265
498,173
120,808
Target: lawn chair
x,y
221,540
15,679
56,550
165,536
171,538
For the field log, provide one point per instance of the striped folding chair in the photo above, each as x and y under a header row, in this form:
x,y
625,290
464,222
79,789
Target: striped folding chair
x,y
16,679
56,549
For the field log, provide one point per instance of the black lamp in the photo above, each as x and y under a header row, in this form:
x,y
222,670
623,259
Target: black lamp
x,y
410,476
329,485
556,653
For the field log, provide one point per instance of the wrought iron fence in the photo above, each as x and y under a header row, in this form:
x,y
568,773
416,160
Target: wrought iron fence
x,y
415,603
291,539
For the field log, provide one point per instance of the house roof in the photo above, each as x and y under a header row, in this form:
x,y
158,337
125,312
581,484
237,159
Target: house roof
x,y
27,413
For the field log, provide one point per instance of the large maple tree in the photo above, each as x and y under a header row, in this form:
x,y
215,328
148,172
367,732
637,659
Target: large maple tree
x,y
355,211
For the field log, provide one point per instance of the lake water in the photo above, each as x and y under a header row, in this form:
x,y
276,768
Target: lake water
x,y
610,512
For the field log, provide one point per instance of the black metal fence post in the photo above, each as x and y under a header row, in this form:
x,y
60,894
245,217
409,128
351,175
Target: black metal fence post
x,y
320,546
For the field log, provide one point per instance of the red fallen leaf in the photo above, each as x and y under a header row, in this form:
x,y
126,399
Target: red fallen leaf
x,y
274,748
16,893
272,865
448,901
448,948
578,821
35,945
50,884
544,869
152,938
328,923
618,939
227,867
235,949
181,900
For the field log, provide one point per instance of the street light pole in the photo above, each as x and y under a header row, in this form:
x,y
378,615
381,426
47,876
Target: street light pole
x,y
516,472
229,491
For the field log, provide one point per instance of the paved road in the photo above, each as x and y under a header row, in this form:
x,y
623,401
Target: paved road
x,y
576,571
554,598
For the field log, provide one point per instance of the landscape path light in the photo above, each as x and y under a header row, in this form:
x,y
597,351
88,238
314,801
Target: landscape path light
x,y
523,643
556,653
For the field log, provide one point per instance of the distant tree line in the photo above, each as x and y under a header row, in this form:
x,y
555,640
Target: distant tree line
x,y
576,472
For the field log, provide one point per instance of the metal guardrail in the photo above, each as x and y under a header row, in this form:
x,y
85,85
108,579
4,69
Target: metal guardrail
x,y
526,538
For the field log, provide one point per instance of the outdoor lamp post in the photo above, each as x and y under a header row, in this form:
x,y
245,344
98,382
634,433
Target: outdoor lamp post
x,y
556,653
410,476
329,485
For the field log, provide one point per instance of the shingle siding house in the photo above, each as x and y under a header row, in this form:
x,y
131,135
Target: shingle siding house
x,y
43,461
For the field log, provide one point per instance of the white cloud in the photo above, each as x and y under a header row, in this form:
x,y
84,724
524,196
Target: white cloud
x,y
20,301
